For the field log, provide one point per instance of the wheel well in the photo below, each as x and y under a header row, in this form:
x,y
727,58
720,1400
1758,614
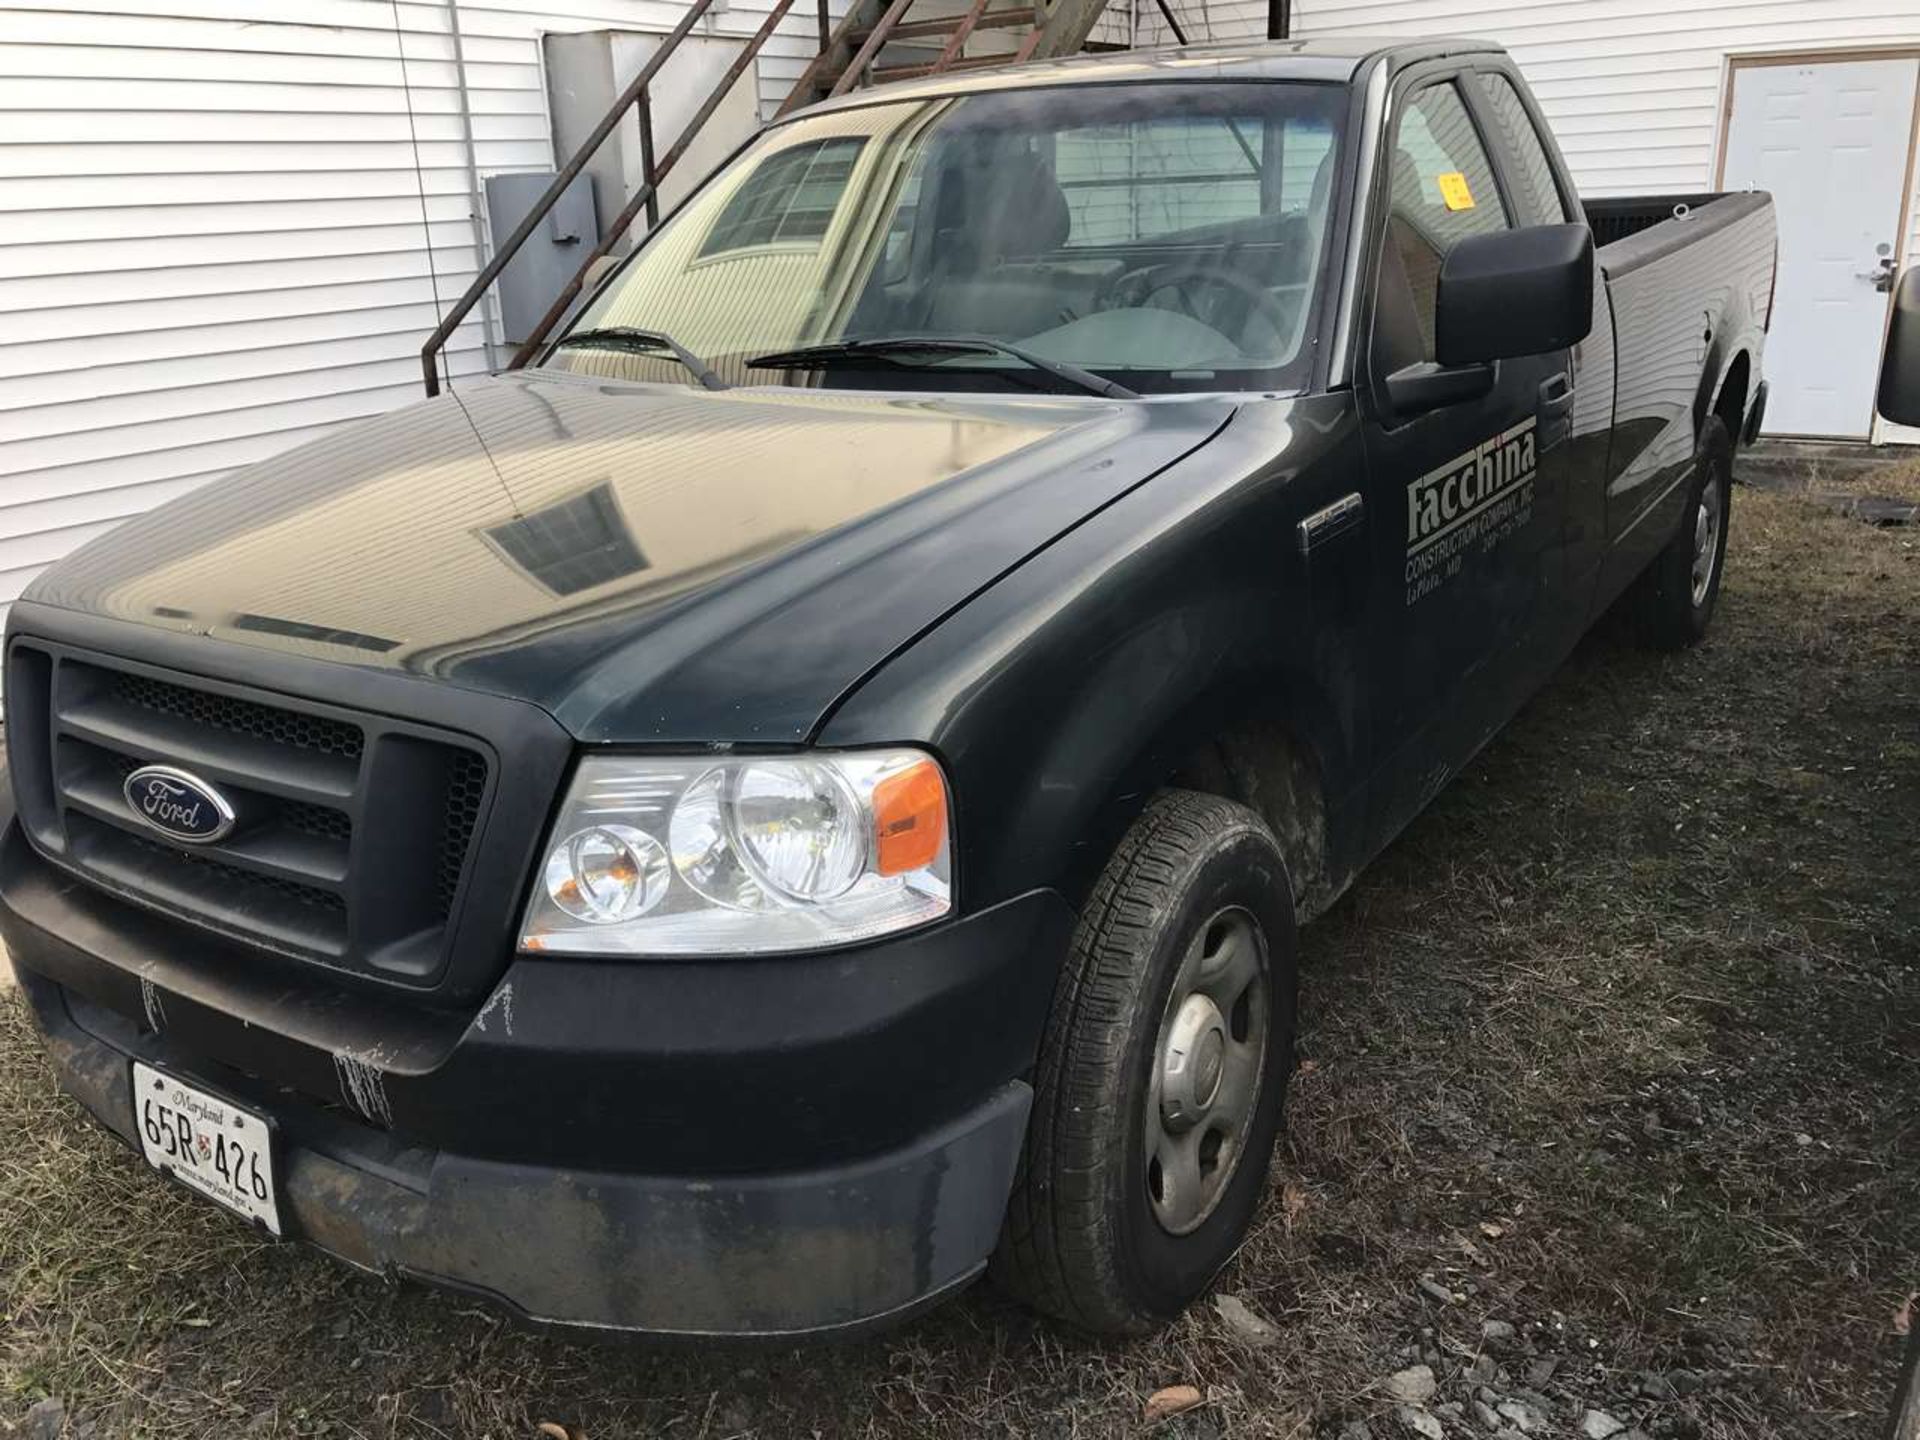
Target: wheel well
x,y
1731,407
1262,766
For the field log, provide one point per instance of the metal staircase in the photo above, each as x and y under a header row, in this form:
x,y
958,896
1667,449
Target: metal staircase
x,y
881,40
874,42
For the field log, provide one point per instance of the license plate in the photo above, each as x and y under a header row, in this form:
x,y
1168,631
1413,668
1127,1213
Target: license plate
x,y
208,1143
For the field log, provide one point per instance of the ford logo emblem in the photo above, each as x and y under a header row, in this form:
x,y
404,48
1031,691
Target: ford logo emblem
x,y
179,805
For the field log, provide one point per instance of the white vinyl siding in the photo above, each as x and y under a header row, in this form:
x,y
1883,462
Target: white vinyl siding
x,y
227,226
1204,20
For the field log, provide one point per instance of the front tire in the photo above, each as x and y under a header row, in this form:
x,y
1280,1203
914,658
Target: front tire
x,y
1162,1073
1674,599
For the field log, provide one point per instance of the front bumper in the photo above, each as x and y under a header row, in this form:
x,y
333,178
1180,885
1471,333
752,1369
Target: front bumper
x,y
739,1149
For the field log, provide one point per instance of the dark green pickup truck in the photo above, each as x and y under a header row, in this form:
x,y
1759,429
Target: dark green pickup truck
x,y
805,794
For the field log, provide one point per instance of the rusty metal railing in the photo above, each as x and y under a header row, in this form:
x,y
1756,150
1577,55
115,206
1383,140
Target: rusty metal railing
x,y
641,198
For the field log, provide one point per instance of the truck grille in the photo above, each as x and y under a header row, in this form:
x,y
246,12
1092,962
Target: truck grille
x,y
242,717
355,832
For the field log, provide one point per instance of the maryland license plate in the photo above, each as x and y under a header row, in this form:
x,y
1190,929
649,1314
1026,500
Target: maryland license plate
x,y
208,1143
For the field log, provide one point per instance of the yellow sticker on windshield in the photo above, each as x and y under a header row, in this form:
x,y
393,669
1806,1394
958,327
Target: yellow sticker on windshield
x,y
1453,190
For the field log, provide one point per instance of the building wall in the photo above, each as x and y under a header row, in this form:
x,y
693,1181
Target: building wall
x,y
222,235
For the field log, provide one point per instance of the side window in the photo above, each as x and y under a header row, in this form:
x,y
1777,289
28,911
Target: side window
x,y
1538,197
1441,190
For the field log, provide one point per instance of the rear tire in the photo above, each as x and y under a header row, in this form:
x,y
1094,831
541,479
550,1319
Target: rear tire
x,y
1673,600
1162,1073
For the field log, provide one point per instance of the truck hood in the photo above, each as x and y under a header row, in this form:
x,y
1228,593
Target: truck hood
x,y
646,563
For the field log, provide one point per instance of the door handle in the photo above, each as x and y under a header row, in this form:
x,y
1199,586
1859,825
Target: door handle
x,y
1882,278
1556,391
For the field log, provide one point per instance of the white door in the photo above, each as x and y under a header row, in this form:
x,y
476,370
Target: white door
x,y
1829,139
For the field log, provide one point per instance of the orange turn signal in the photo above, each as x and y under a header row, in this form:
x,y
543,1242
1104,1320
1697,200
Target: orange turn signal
x,y
909,818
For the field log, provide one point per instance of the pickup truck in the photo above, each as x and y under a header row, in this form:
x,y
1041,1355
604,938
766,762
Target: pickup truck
x,y
806,794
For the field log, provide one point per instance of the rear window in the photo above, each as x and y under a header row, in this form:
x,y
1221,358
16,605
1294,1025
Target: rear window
x,y
1149,178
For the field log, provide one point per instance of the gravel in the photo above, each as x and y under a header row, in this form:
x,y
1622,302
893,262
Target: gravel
x,y
44,1420
1241,1320
1412,1386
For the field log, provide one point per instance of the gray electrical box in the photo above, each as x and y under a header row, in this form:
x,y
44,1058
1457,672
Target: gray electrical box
x,y
535,277
588,71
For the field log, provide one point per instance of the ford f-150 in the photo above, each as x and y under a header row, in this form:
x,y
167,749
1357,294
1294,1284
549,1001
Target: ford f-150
x,y
806,793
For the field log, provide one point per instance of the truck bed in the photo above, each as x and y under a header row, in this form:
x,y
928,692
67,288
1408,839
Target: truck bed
x,y
1687,294
1620,217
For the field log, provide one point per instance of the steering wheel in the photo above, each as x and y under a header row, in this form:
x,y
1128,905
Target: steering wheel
x,y
1134,288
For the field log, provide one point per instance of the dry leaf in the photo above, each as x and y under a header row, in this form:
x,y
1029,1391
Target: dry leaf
x,y
1293,1204
1171,1401
1903,1317
554,1431
1491,1230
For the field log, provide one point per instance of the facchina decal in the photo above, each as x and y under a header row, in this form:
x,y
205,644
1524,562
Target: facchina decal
x,y
1468,505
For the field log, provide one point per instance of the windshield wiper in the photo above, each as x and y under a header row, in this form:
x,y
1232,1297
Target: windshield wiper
x,y
884,347
642,342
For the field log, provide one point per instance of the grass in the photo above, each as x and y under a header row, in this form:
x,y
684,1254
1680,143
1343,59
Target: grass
x,y
1617,1045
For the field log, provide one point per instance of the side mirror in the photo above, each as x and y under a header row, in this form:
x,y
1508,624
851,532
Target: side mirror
x,y
1900,365
1516,292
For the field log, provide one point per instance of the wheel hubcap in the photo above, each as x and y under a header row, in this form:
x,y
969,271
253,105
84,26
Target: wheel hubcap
x,y
1706,539
1207,1070
1192,1062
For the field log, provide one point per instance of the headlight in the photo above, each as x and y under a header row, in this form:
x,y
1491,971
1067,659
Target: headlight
x,y
658,856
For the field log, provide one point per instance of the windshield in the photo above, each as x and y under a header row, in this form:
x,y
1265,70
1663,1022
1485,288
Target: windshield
x,y
1166,236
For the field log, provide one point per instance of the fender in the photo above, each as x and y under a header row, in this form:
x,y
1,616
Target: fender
x,y
1261,740
1062,697
1736,335
1740,368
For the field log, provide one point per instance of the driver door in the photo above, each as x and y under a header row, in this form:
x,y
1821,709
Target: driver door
x,y
1463,488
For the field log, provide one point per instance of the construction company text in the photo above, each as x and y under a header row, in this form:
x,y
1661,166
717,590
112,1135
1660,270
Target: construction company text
x,y
1480,497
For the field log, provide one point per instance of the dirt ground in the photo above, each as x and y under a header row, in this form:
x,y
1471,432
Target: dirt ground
x,y
1608,1103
